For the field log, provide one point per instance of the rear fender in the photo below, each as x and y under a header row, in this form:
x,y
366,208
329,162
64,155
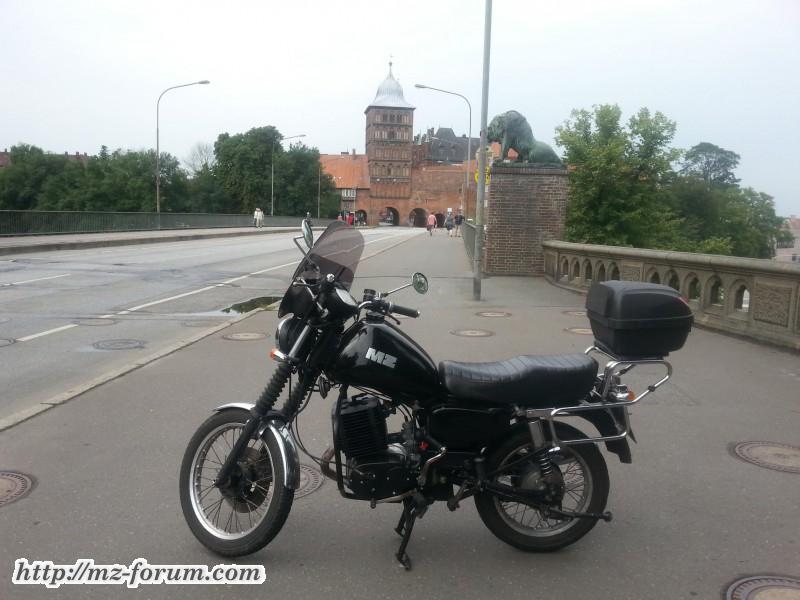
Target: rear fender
x,y
280,433
606,424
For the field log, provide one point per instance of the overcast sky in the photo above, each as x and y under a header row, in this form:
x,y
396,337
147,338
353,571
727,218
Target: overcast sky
x,y
80,74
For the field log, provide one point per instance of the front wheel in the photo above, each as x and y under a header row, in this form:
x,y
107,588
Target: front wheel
x,y
244,515
523,526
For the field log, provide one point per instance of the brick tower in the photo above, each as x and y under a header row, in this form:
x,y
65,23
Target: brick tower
x,y
390,123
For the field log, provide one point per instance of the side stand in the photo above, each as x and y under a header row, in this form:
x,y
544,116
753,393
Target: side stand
x,y
404,528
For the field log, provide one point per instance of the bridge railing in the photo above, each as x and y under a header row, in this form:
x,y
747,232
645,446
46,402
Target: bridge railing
x,y
37,222
755,298
468,233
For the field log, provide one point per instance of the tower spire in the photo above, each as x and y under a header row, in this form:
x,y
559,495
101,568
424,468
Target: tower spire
x,y
390,66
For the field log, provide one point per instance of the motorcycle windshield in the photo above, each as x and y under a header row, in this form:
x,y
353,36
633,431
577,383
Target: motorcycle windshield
x,y
336,252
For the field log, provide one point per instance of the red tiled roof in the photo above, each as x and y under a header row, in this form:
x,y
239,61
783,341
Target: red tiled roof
x,y
348,170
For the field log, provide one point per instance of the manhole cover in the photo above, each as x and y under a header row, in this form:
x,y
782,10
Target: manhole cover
x,y
579,330
5,342
95,322
200,323
13,486
310,481
472,333
119,344
764,588
770,455
493,314
244,337
575,313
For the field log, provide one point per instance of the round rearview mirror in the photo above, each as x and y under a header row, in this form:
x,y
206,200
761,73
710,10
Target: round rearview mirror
x,y
420,283
308,235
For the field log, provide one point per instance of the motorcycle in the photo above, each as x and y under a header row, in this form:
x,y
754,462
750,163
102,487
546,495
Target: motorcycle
x,y
492,431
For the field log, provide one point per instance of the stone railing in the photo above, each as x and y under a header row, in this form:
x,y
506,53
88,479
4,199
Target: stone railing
x,y
759,299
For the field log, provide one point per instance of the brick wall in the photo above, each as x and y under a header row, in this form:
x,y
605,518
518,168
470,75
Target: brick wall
x,y
526,206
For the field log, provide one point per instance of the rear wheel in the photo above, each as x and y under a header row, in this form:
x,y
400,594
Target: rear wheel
x,y
524,526
244,515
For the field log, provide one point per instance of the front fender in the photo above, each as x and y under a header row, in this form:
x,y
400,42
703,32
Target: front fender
x,y
283,438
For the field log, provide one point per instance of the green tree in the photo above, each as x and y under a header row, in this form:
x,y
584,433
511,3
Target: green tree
x,y
22,181
207,194
243,166
298,180
619,178
712,164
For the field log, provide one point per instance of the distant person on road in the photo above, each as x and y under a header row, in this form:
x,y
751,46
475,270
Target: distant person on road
x,y
339,217
458,221
351,219
431,223
308,218
448,223
258,218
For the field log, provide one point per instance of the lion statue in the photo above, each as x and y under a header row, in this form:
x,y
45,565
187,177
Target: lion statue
x,y
511,129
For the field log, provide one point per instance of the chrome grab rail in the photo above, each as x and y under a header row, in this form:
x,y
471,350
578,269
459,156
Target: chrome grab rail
x,y
611,374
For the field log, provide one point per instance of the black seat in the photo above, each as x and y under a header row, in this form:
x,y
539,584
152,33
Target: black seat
x,y
531,381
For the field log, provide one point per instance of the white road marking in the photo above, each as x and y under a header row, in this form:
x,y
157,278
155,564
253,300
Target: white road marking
x,y
185,294
44,333
32,280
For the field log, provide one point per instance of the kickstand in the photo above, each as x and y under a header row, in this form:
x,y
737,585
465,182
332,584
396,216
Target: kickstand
x,y
404,528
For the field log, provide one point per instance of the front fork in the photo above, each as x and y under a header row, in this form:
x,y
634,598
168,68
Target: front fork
x,y
261,411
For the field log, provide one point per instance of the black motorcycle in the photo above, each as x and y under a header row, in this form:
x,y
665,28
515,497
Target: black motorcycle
x,y
491,430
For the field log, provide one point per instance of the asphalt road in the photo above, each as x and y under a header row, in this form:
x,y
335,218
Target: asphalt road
x,y
69,317
689,517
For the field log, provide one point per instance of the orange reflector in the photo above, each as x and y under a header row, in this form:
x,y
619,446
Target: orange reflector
x,y
631,395
272,353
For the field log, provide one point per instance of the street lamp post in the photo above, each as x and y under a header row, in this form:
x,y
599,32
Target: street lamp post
x,y
469,138
158,147
272,173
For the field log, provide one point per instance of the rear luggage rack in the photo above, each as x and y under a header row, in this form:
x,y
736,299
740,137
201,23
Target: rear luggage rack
x,y
609,395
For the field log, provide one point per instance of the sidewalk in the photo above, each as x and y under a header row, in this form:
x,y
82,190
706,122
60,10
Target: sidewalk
x,y
78,241
106,465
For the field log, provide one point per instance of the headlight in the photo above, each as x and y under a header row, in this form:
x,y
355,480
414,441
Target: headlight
x,y
286,333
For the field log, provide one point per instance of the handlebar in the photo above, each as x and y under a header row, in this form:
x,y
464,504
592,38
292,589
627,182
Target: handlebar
x,y
402,310
383,306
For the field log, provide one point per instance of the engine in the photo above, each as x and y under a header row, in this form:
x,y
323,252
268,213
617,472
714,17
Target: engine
x,y
375,469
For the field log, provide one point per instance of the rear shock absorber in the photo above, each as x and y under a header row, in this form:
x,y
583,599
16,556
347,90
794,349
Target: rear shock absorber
x,y
541,452
542,457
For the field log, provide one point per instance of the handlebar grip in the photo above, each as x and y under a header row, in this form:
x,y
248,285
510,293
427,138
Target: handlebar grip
x,y
402,310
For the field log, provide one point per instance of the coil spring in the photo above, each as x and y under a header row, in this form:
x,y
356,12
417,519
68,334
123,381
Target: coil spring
x,y
274,388
545,464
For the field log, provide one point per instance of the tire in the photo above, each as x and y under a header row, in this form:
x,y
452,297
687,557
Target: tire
x,y
249,513
583,469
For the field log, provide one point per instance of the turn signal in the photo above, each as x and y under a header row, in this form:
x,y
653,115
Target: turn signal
x,y
277,355
631,395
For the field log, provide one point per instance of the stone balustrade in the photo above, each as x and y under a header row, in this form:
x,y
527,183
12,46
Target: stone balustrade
x,y
755,298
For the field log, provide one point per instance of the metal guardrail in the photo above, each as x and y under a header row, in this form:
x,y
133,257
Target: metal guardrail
x,y
468,233
36,222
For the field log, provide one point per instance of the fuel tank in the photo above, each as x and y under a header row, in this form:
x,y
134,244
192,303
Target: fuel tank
x,y
377,355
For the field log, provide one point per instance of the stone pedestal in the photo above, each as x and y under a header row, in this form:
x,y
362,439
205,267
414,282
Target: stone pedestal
x,y
527,205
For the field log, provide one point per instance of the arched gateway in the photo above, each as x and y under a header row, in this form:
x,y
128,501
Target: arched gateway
x,y
417,218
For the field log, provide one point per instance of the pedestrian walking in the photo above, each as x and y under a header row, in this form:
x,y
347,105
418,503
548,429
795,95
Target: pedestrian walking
x,y
458,221
258,218
448,223
431,223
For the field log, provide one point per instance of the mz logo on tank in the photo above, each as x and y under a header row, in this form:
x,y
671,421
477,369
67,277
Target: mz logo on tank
x,y
387,360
